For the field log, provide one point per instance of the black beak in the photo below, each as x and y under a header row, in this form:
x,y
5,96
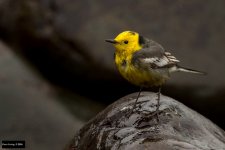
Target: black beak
x,y
111,41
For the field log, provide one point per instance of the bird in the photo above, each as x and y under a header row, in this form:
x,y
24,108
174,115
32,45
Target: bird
x,y
144,62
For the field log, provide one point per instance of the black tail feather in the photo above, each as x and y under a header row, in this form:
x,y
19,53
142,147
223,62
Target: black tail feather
x,y
183,69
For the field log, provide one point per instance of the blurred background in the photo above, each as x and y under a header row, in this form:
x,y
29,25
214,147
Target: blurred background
x,y
56,70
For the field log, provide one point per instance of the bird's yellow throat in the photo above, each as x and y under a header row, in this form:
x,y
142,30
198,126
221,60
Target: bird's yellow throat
x,y
126,43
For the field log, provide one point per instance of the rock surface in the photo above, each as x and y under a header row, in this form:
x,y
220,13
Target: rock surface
x,y
179,127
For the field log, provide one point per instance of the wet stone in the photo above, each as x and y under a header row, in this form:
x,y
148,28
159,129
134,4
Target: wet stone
x,y
179,127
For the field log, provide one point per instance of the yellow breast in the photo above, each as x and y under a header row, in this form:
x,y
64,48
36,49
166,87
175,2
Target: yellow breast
x,y
137,76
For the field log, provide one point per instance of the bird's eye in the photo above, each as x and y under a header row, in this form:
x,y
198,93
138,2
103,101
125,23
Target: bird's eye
x,y
126,42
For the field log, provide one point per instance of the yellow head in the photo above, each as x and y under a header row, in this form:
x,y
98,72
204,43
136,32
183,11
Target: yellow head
x,y
127,41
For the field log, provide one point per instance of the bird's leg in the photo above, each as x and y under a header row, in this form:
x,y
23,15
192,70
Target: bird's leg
x,y
134,106
152,114
157,106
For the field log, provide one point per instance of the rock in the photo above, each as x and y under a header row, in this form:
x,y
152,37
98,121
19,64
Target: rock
x,y
179,127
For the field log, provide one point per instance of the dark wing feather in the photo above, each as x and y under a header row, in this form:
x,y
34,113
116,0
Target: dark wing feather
x,y
153,55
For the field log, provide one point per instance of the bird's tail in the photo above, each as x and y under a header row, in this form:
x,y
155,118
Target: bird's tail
x,y
182,69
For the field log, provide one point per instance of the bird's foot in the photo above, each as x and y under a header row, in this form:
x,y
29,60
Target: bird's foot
x,y
148,117
133,109
153,114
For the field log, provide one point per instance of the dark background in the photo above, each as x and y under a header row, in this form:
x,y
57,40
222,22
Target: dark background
x,y
57,71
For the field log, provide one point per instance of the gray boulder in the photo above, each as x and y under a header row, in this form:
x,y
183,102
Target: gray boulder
x,y
179,127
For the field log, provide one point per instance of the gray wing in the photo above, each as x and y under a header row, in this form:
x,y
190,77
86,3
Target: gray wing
x,y
154,56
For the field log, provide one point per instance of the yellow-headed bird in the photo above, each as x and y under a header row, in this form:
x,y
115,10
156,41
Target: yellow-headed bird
x,y
144,62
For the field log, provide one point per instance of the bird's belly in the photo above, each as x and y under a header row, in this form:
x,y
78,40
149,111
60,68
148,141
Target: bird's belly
x,y
142,78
